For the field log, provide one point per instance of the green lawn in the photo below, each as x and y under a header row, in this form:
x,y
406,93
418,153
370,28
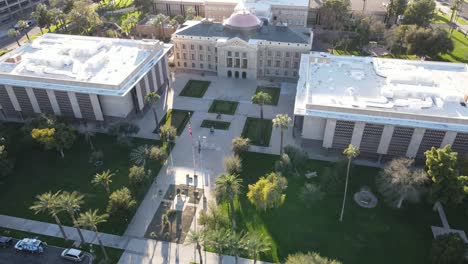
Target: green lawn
x,y
176,118
274,92
378,235
460,52
38,171
195,88
113,253
223,107
441,18
215,124
253,130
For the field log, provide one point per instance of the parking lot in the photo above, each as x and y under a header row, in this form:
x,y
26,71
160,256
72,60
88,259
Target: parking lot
x,y
51,255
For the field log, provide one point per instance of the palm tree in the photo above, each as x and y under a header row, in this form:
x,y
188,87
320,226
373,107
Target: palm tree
x,y
104,179
71,202
152,98
261,98
282,121
351,152
167,132
235,245
196,238
22,25
228,186
218,240
158,21
140,155
255,244
91,219
14,33
48,203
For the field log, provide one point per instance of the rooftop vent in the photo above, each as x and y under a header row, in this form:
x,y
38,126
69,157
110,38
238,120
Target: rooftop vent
x,y
14,59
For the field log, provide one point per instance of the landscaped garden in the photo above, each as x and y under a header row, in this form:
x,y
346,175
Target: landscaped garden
x,y
223,107
258,131
177,118
113,253
38,171
195,88
274,93
377,235
221,125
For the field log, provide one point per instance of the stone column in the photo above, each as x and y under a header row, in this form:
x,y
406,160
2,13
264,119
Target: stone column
x,y
385,139
155,82
33,100
161,77
449,138
416,139
358,131
13,99
53,102
75,105
329,133
141,103
168,71
96,107
147,87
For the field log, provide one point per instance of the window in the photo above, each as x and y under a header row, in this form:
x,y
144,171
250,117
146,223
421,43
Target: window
x,y
244,54
209,66
229,54
209,58
260,53
192,47
183,46
185,64
193,65
237,54
201,57
200,47
268,71
269,53
285,73
216,59
178,56
276,72
178,64
278,54
295,74
244,63
296,55
277,64
184,55
260,63
193,56
216,49
286,64
288,54
269,63
229,62
296,65
237,63
208,48
201,65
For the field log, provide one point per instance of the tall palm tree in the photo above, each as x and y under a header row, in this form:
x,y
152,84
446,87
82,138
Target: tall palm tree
x,y
152,98
196,238
48,203
14,33
255,244
22,25
91,219
104,178
227,187
261,98
282,121
71,202
351,152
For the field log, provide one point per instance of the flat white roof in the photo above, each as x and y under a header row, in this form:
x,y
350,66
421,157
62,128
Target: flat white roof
x,y
83,64
420,93
298,3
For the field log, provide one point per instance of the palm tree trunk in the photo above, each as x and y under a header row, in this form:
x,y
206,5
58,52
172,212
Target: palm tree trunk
x,y
91,145
233,219
261,111
220,256
236,259
42,32
77,227
17,42
199,253
27,36
107,188
281,142
57,220
345,191
61,153
255,257
102,246
156,119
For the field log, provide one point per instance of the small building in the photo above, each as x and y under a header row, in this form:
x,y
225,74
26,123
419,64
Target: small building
x,y
386,107
244,46
11,10
81,78
147,29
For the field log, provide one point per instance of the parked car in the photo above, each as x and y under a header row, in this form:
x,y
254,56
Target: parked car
x,y
30,23
5,242
73,254
30,245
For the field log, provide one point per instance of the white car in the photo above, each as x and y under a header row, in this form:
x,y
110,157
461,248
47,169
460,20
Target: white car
x,y
73,254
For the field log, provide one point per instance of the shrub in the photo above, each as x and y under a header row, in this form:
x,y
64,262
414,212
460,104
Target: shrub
x,y
298,157
96,158
283,165
447,249
311,192
240,145
267,192
123,131
121,202
309,257
332,178
158,153
137,175
232,164
6,165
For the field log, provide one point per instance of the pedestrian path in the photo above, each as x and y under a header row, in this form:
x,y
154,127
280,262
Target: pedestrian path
x,y
137,250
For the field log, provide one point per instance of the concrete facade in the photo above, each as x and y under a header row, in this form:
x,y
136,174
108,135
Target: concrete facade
x,y
12,9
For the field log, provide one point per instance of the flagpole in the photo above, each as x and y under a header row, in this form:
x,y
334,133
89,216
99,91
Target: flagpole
x,y
193,150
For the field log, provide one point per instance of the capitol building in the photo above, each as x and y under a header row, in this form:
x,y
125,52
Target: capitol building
x,y
243,46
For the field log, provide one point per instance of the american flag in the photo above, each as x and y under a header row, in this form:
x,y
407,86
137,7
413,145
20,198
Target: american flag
x,y
190,129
